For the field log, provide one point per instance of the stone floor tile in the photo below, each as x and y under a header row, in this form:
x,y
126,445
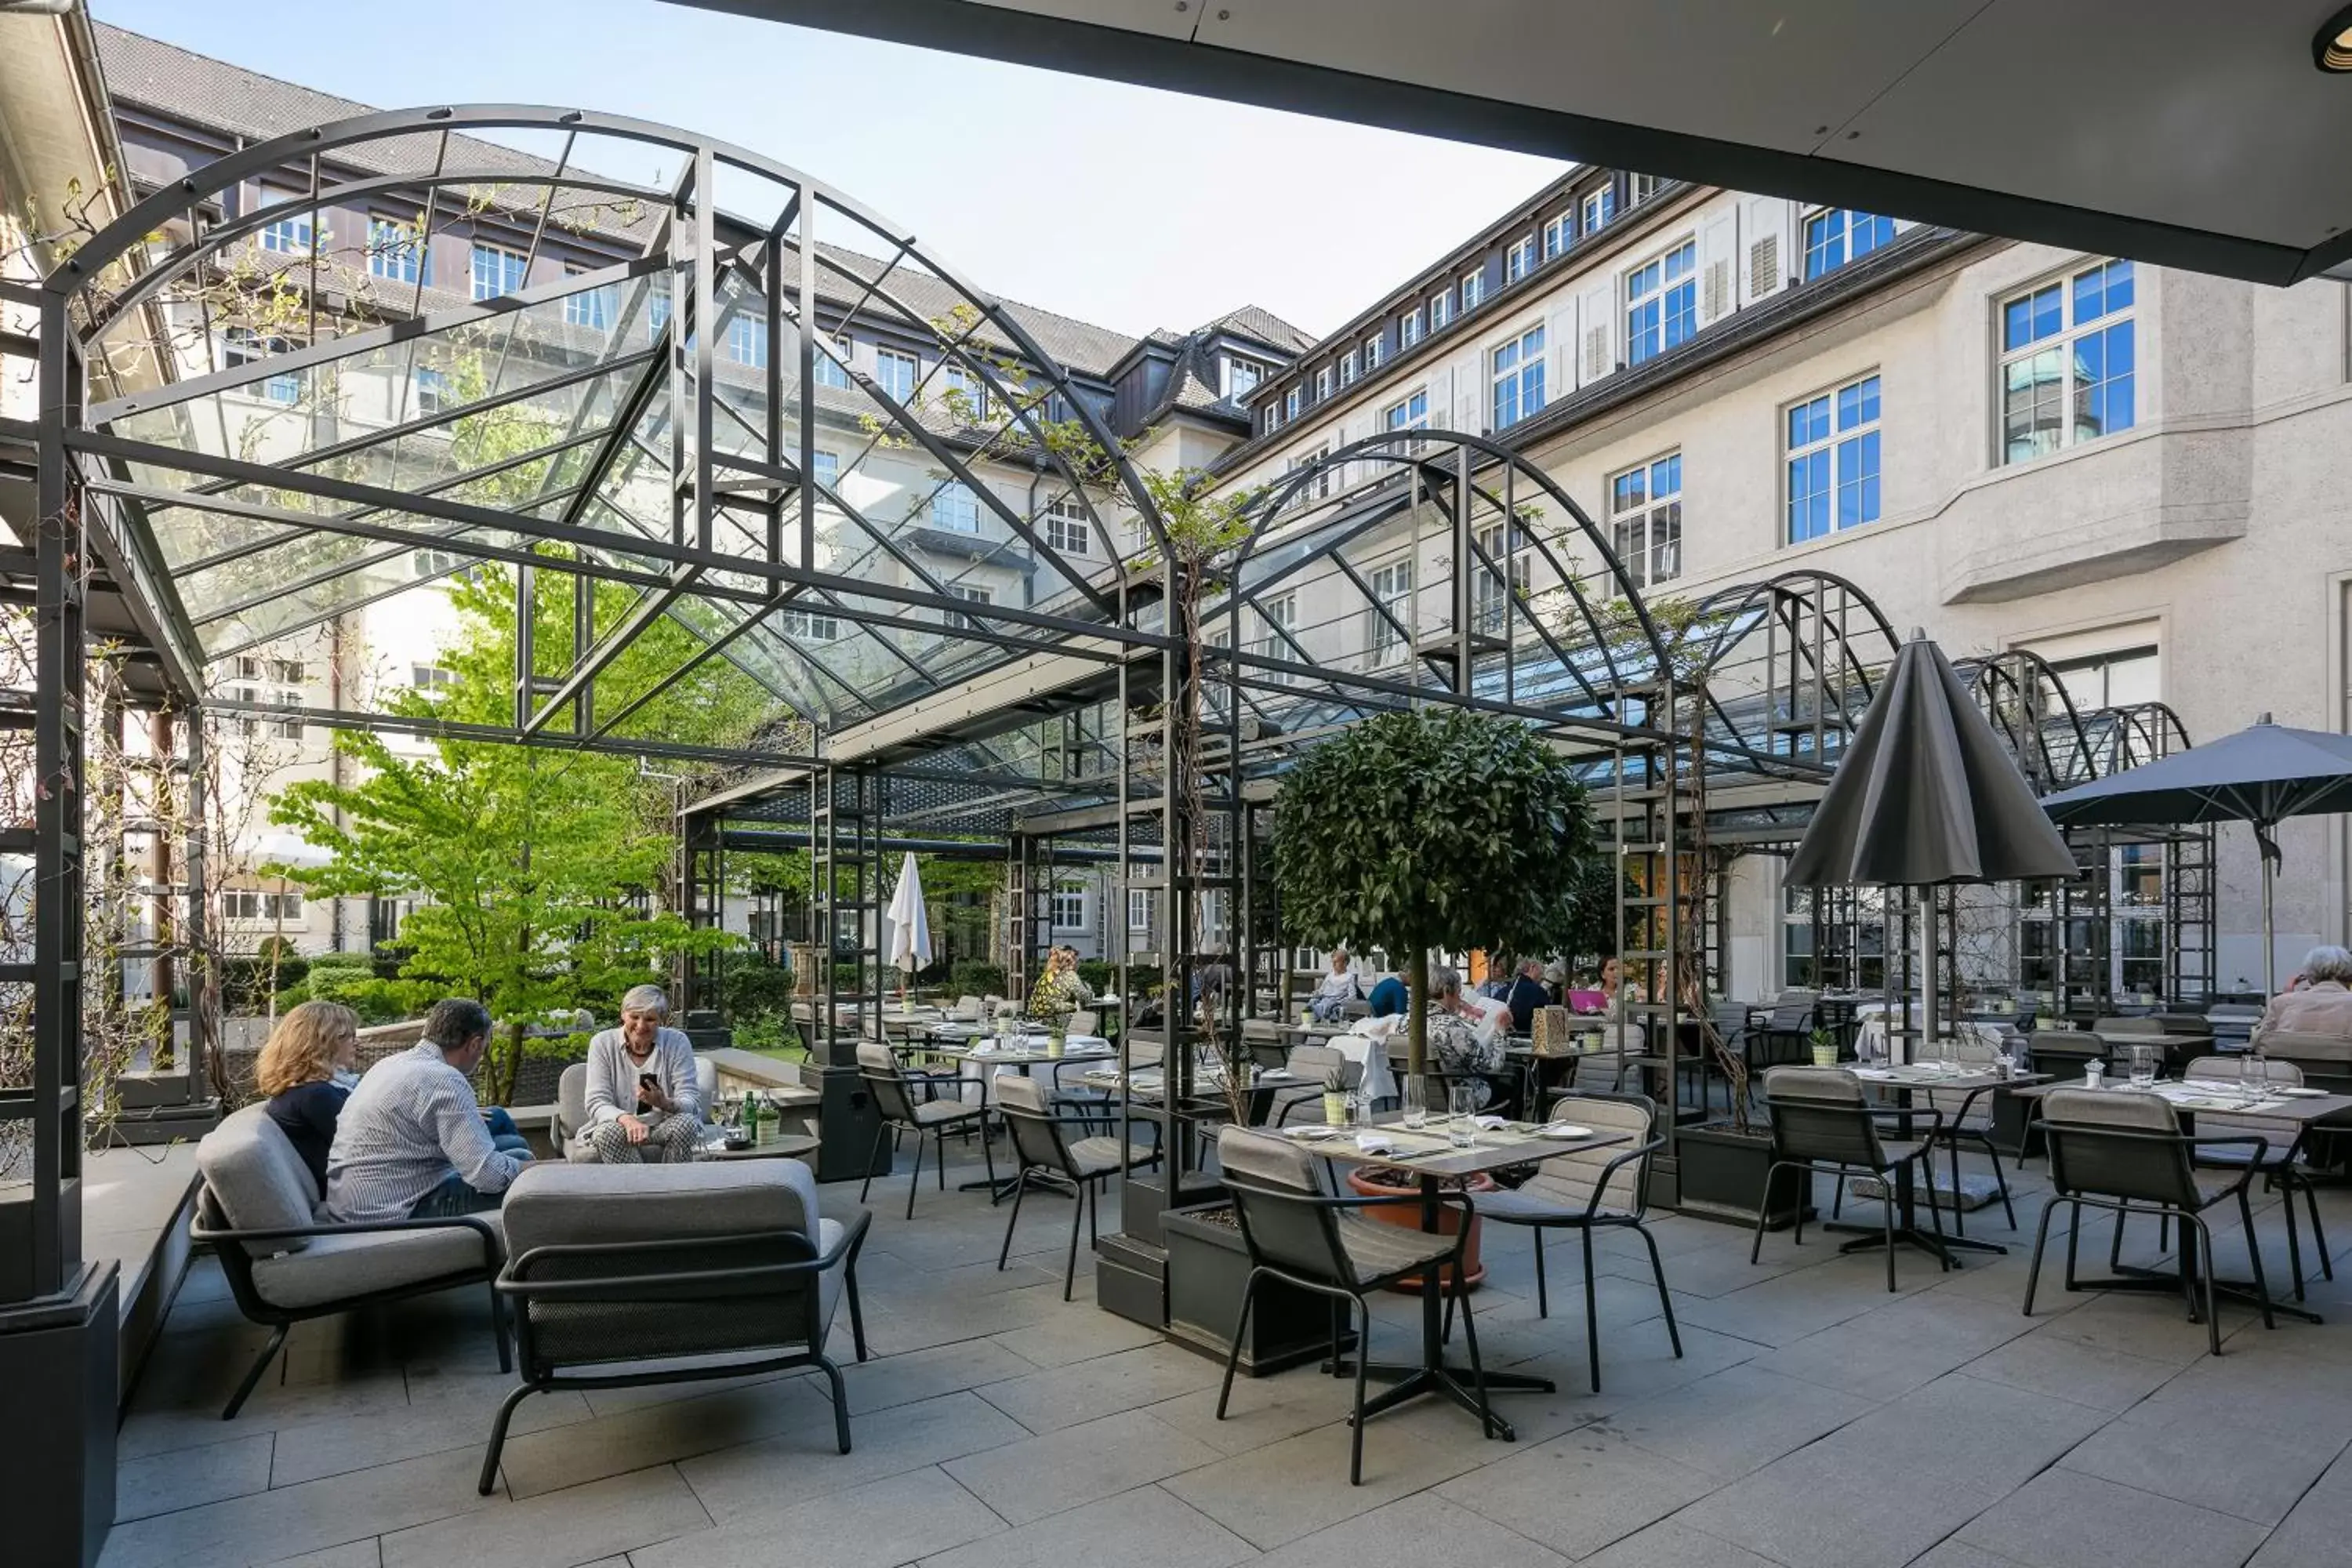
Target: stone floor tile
x,y
1889,1351
1735,1421
290,1520
1064,1340
1427,1529
1062,1469
558,1530
2086,1373
1667,1545
184,1478
2315,1530
2065,1519
742,1478
1147,1528
886,1381
894,1520
582,1451
351,1555
1580,1491
2250,1471
1067,1395
1294,1488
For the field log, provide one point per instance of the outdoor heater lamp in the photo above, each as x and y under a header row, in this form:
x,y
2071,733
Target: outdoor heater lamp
x,y
2331,49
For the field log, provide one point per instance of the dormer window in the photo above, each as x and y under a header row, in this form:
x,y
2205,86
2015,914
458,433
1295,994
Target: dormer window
x,y
1242,376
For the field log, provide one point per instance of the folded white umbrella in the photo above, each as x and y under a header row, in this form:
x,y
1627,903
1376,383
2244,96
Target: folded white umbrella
x,y
910,925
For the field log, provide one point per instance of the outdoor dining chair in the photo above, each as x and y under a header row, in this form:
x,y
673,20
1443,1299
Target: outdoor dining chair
x,y
1313,1065
1592,1189
2123,1151
1786,1035
1041,1146
2281,1164
1821,1123
1300,1234
893,1088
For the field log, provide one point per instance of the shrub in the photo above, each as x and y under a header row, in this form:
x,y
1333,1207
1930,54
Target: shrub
x,y
1099,974
848,979
976,977
757,990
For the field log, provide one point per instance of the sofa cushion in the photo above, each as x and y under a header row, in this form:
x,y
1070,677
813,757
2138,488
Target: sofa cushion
x,y
338,1268
257,1179
551,1204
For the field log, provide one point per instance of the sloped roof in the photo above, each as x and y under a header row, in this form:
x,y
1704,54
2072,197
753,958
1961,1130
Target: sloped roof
x,y
1257,321
230,97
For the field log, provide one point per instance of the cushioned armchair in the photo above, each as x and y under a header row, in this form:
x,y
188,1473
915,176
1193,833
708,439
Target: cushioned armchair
x,y
571,1106
618,1276
286,1262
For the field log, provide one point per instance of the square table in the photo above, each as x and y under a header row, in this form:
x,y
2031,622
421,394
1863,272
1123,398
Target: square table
x,y
1903,1080
1428,1154
2187,1100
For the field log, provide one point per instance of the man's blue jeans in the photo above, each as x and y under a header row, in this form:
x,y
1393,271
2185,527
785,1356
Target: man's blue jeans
x,y
453,1196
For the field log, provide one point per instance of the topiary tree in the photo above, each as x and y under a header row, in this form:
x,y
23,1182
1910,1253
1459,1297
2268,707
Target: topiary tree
x,y
1432,828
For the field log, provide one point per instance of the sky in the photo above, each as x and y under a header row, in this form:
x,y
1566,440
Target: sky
x,y
1124,206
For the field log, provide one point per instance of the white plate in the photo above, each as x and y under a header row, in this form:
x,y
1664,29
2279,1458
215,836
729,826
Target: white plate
x,y
1567,1132
2296,1091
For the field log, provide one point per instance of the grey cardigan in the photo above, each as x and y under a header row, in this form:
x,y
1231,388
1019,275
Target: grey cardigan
x,y
612,1077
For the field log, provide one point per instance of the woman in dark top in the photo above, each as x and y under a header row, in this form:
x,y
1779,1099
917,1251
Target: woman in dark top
x,y
306,1071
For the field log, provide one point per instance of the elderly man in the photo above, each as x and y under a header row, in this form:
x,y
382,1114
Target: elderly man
x,y
1527,993
410,1143
1338,988
644,1104
2323,1005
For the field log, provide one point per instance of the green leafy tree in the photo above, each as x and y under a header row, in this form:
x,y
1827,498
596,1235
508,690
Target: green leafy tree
x,y
1432,828
528,864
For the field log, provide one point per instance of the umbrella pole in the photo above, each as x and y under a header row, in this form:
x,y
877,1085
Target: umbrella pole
x,y
2270,941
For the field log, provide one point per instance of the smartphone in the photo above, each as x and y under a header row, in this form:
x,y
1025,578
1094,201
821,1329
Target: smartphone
x,y
647,1080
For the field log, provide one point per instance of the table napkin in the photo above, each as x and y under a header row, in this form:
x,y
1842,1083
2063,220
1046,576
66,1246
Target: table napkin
x,y
1375,1143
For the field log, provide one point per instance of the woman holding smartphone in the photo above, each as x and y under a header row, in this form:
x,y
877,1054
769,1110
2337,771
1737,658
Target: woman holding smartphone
x,y
644,1106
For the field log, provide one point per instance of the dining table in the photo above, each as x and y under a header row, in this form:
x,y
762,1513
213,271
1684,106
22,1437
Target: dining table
x,y
1899,1082
2299,1107
1429,1155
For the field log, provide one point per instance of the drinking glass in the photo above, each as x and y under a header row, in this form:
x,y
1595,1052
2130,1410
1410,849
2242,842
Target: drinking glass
x,y
1352,1109
1947,1058
1462,1101
1416,1102
2143,1066
2253,1076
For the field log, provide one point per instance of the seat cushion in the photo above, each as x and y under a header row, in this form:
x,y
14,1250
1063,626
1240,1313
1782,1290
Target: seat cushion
x,y
338,1268
931,1112
1093,1157
1377,1251
257,1179
550,1204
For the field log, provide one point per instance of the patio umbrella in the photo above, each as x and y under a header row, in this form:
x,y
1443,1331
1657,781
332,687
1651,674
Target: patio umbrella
x,y
910,924
2259,777
1926,794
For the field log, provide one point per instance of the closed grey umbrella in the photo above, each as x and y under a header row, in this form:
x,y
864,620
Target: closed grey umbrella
x,y
1926,794
2261,775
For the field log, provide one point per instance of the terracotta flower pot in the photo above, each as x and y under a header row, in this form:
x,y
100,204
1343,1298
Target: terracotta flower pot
x,y
1449,1220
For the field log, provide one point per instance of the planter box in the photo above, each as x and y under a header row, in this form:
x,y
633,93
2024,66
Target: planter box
x,y
1207,1268
1722,1173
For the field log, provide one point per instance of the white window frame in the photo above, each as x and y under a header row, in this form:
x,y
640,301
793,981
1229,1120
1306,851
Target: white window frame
x,y
1441,310
591,307
1560,234
1598,210
1320,487
827,470
292,234
1411,328
1518,261
1847,222
433,395
1410,412
509,277
892,366
1640,188
833,369
1290,400
1668,285
1322,382
1067,528
1376,348
1515,368
1832,443
1351,367
395,251
1139,911
1076,891
1641,521
1473,289
2064,345
948,506
971,595
1391,582
1242,376
1489,601
1280,611
811,625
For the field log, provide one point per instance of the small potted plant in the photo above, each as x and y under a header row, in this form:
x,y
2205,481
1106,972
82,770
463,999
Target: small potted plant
x,y
1825,1050
1335,1099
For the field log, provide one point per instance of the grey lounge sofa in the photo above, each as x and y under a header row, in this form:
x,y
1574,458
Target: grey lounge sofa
x,y
623,1274
287,1262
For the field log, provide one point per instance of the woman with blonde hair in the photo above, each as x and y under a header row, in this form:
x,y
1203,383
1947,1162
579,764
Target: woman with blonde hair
x,y
306,1071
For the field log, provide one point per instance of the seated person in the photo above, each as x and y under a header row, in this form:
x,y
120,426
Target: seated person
x,y
306,1070
1390,996
1337,988
1497,986
644,1106
410,1143
1458,1045
1527,995
2321,1004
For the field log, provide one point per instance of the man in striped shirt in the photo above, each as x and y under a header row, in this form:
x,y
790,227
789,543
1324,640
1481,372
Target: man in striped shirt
x,y
410,1143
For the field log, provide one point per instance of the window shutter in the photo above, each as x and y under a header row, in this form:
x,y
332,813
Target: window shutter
x,y
1767,246
1470,393
1561,350
1718,244
1596,312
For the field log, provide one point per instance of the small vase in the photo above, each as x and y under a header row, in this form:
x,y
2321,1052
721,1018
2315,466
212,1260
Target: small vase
x,y
1335,1109
1825,1055
1055,1043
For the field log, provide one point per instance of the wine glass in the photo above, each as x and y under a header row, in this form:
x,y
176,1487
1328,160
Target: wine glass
x,y
1416,1102
1461,1101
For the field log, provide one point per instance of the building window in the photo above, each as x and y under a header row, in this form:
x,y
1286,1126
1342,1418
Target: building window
x,y
1440,309
1409,328
1375,350
1837,236
1319,485
1139,911
1069,907
1662,304
496,270
1391,592
1067,527
587,307
425,677
1518,378
1473,289
1599,208
2068,362
1413,413
827,470
435,562
395,252
432,391
1290,404
1645,515
955,508
1273,417
243,345
1640,188
1322,383
747,340
288,670
833,364
969,595
1490,600
1558,235
895,373
1275,617
1241,376
1834,460
293,235
811,625
247,904
1519,260
1350,368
